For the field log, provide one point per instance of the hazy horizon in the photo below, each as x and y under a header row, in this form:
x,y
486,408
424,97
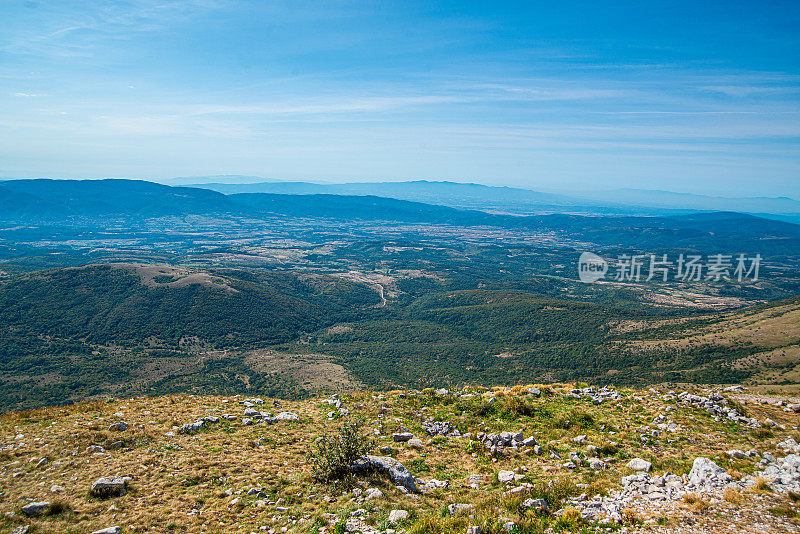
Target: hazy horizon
x,y
233,179
685,97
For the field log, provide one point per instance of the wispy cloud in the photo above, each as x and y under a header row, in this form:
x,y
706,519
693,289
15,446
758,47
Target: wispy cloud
x,y
403,89
746,91
81,29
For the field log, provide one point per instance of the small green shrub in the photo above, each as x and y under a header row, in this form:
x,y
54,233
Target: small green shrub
x,y
418,465
516,406
574,419
332,456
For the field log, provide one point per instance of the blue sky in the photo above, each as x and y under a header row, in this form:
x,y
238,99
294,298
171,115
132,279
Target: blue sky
x,y
699,97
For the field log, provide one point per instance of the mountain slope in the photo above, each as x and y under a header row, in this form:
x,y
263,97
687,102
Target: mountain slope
x,y
70,333
760,342
128,302
349,207
452,194
109,198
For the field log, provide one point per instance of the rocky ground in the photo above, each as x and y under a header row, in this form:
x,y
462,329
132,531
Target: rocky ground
x,y
554,458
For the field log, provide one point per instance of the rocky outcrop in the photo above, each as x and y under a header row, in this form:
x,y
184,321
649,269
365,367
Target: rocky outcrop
x,y
396,471
35,508
109,487
784,474
707,476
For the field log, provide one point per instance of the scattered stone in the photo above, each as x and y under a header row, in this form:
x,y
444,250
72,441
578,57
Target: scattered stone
x,y
354,524
638,464
256,492
717,405
597,464
784,474
529,442
738,389
707,476
457,509
121,426
538,504
333,401
109,530
439,428
396,516
789,444
109,487
505,477
503,440
35,508
433,484
396,471
373,493
737,454
287,416
402,437
191,428
598,396
474,481
415,443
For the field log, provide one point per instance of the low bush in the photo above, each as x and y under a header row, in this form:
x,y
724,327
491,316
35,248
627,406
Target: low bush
x,y
332,456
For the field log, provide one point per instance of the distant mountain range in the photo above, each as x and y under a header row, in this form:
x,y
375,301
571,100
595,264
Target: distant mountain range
x,y
666,199
92,202
521,201
457,195
62,199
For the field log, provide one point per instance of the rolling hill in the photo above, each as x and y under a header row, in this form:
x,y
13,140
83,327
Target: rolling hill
x,y
133,199
131,303
76,332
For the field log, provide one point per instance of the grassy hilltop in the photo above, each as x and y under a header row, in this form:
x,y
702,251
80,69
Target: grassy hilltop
x,y
229,476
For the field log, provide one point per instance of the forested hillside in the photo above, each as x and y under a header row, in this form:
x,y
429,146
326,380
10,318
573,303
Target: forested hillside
x,y
110,303
76,332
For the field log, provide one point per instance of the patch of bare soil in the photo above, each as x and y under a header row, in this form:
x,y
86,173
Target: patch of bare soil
x,y
339,329
310,370
174,276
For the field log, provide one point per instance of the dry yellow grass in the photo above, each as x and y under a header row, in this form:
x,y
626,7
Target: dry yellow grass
x,y
733,496
199,483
